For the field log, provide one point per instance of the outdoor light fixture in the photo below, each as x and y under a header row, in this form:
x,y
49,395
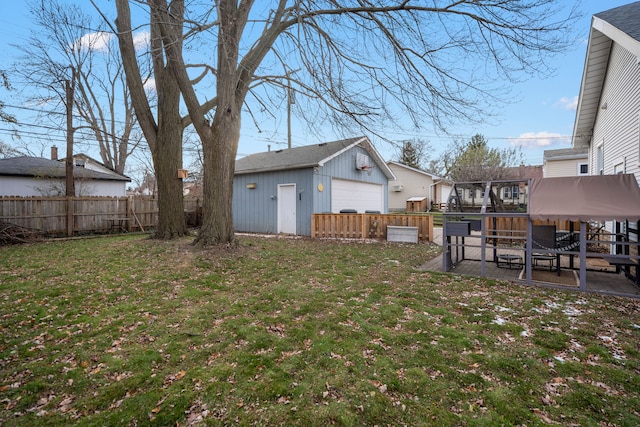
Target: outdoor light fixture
x,y
251,186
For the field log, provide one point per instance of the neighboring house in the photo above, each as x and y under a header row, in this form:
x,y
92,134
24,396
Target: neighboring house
x,y
414,183
278,191
525,172
518,193
566,162
608,115
35,176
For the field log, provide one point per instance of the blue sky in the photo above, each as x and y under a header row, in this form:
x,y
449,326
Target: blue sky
x,y
541,118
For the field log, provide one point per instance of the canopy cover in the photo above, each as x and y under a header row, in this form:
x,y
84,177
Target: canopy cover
x,y
584,198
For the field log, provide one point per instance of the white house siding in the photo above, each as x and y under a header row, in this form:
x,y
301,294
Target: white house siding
x,y
29,187
617,127
413,184
566,167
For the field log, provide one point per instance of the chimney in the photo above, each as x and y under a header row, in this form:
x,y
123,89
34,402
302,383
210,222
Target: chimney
x,y
54,153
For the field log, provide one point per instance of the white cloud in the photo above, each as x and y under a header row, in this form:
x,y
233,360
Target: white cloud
x,y
141,40
567,103
539,139
93,41
150,85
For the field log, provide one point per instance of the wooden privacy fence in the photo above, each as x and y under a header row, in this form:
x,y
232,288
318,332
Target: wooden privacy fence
x,y
82,215
518,225
367,226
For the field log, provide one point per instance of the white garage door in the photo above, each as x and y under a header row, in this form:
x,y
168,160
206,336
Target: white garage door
x,y
360,196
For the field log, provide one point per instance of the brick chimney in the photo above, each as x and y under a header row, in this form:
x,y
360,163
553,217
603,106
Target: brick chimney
x,y
54,153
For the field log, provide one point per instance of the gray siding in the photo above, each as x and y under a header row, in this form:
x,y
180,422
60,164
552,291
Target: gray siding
x,y
256,210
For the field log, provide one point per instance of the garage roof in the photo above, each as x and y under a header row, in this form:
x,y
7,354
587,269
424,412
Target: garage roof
x,y
585,198
307,157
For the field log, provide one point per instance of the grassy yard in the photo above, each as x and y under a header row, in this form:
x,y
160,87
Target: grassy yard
x,y
129,331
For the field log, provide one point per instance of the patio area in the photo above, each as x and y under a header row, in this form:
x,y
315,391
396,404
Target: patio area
x,y
601,277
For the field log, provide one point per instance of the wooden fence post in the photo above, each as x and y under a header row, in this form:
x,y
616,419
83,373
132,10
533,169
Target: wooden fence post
x,y
128,206
70,212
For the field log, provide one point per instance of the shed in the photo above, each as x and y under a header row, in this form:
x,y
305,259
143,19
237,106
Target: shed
x,y
417,204
278,191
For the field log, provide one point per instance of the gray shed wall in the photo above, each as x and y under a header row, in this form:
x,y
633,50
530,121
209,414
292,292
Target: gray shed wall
x,y
256,211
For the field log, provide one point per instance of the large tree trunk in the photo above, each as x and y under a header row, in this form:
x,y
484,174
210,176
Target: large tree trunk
x,y
165,136
219,165
220,139
167,159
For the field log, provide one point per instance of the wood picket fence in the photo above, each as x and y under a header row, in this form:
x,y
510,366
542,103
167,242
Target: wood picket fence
x,y
367,225
85,215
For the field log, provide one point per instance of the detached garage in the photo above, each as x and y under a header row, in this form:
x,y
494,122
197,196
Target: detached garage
x,y
278,191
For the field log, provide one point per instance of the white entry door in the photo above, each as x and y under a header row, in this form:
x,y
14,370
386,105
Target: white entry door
x,y
287,208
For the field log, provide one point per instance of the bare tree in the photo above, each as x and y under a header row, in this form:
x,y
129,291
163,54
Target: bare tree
x,y
359,62
163,134
4,117
68,44
5,150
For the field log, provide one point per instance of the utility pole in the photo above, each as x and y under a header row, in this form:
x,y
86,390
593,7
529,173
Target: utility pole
x,y
69,86
289,102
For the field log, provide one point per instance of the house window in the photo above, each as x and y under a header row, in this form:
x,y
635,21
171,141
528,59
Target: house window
x,y
506,193
618,169
583,169
600,158
514,192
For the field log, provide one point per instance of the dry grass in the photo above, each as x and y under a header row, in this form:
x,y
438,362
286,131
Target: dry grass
x,y
128,331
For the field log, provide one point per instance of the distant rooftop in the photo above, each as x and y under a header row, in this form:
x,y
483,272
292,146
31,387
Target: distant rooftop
x,y
41,167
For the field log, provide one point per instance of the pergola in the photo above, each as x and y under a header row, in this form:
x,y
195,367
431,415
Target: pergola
x,y
523,205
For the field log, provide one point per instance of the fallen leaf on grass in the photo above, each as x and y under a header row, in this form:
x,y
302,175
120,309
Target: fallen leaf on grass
x,y
170,379
543,416
65,404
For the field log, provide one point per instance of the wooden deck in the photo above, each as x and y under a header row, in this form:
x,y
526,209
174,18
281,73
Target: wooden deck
x,y
601,278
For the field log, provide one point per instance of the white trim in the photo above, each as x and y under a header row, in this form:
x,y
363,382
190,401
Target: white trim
x,y
617,35
599,163
579,166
